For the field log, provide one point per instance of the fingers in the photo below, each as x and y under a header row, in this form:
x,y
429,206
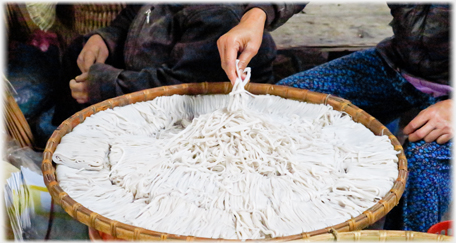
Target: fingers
x,y
81,78
88,58
230,67
444,135
94,51
432,132
85,60
245,58
440,135
420,133
444,138
228,49
79,90
432,135
244,38
247,55
432,124
415,124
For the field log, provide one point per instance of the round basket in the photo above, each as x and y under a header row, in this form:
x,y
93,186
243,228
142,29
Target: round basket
x,y
128,232
380,235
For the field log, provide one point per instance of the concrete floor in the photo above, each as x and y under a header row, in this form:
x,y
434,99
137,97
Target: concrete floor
x,y
336,25
324,31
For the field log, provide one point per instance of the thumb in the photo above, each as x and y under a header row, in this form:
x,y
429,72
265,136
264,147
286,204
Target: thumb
x,y
243,62
246,55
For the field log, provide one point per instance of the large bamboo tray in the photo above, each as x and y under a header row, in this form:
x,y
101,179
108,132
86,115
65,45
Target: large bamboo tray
x,y
380,235
128,232
353,236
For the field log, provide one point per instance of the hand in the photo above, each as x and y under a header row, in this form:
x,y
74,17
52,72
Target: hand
x,y
245,38
432,124
94,51
79,88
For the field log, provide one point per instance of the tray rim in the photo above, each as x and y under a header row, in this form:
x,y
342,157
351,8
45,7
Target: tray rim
x,y
128,232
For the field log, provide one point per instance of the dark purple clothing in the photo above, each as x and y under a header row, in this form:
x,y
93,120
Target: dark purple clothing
x,y
170,44
278,13
434,89
420,45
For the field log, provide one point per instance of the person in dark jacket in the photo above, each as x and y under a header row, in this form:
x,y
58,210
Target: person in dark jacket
x,y
149,46
408,71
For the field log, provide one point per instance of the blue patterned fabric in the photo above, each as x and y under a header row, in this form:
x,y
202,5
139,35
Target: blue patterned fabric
x,y
428,190
368,82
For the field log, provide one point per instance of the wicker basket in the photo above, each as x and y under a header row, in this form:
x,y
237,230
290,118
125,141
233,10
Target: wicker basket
x,y
15,121
380,235
123,231
89,17
359,235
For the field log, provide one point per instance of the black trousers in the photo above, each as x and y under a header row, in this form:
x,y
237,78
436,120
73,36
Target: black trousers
x,y
66,105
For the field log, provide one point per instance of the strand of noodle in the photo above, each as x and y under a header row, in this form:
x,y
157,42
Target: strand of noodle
x,y
239,145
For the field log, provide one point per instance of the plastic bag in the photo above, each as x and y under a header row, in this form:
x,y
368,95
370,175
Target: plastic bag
x,y
25,157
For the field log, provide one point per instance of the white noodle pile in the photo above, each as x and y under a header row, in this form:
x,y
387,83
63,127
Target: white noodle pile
x,y
237,167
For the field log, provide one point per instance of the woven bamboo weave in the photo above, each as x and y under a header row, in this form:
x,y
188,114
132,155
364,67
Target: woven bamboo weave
x,y
123,231
379,235
15,121
89,17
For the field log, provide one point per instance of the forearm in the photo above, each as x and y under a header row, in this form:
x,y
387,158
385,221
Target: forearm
x,y
278,13
105,81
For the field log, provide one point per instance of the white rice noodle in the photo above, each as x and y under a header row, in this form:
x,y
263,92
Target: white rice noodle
x,y
233,167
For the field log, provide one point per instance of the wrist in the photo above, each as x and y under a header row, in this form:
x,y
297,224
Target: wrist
x,y
254,16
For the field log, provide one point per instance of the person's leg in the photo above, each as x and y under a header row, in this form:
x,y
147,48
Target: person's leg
x,y
364,79
428,191
66,106
369,83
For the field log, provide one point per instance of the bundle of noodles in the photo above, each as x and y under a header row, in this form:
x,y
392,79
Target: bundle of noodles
x,y
237,167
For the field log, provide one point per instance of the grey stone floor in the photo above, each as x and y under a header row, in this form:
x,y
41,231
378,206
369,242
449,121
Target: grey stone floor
x,y
335,25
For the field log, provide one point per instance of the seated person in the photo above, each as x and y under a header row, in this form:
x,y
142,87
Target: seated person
x,y
408,71
149,46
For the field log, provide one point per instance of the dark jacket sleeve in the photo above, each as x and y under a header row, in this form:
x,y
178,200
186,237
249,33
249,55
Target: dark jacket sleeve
x,y
278,13
193,57
115,34
420,44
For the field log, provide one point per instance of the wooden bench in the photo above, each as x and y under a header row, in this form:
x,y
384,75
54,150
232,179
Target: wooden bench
x,y
324,31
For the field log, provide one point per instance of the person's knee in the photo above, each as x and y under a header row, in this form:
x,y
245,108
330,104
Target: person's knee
x,y
424,150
